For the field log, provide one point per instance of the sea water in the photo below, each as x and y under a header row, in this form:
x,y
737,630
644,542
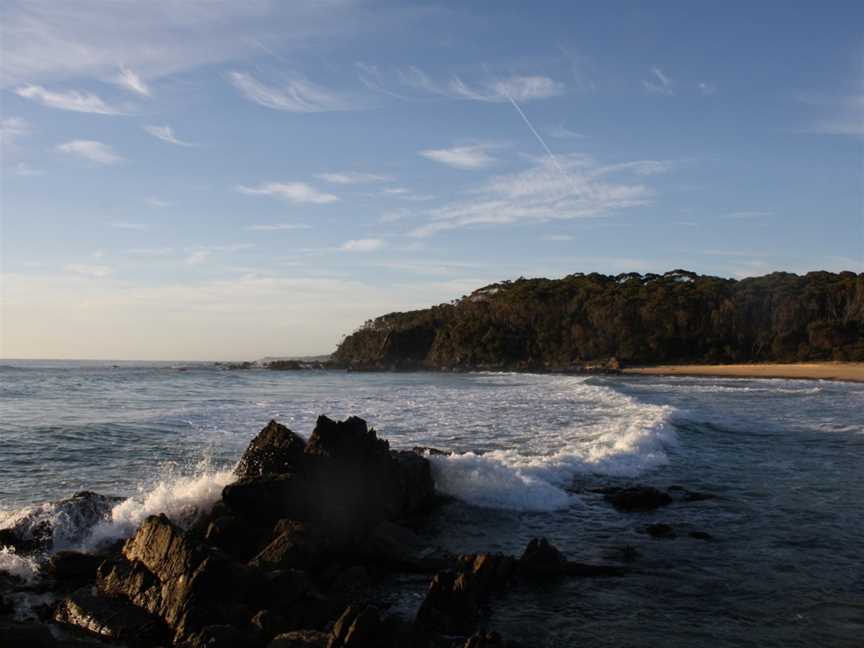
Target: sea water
x,y
785,460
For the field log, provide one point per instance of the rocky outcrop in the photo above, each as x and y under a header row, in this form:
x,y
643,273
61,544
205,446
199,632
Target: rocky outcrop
x,y
111,618
345,479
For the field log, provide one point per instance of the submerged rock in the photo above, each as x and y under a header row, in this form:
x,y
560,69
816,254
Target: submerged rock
x,y
636,498
542,559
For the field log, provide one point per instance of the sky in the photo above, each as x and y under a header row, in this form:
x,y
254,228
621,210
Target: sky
x,y
210,179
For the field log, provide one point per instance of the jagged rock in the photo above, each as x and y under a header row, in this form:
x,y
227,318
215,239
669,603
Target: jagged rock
x,y
286,586
224,636
270,623
541,559
660,530
358,627
347,481
186,583
451,604
296,544
112,618
300,639
73,566
234,536
489,571
276,450
484,640
636,498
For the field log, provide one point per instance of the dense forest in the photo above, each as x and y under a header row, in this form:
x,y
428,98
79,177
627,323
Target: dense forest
x,y
588,319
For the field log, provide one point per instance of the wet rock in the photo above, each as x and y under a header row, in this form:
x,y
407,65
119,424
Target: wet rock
x,y
700,535
111,618
285,587
300,639
224,636
351,583
264,500
235,536
451,604
660,530
270,623
541,559
276,450
296,544
484,640
636,498
73,566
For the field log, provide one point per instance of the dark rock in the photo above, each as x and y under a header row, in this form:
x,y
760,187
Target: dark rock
x,y
484,640
451,604
700,535
235,536
73,566
351,584
431,452
300,639
357,627
637,498
224,636
660,530
25,635
541,559
112,618
186,583
347,481
276,450
285,587
270,623
296,544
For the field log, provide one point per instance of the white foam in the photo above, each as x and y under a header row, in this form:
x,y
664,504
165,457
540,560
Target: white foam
x,y
627,439
182,498
23,567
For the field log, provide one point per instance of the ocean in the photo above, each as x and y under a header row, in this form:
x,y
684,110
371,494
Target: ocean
x,y
785,460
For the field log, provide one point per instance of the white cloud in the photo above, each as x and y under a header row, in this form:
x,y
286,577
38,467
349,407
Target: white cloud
x,y
295,192
197,257
562,132
132,82
706,88
151,252
362,245
166,134
516,88
461,157
394,215
95,271
294,95
90,150
275,227
353,177
566,187
74,100
659,83
11,128
153,201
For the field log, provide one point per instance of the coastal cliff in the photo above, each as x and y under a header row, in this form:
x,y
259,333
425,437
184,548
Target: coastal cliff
x,y
590,322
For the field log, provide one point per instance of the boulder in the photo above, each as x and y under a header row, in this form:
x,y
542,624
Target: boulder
x,y
300,639
111,618
296,544
542,559
73,566
451,604
222,635
347,481
636,498
276,450
358,627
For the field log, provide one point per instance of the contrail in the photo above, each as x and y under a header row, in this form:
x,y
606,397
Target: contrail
x,y
536,134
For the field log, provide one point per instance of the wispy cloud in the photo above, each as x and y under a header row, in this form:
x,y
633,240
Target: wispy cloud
x,y
74,100
353,177
295,192
573,186
748,214
153,201
154,252
461,157
87,270
500,90
92,150
562,132
658,83
362,245
706,88
23,169
129,80
276,227
11,129
166,134
293,95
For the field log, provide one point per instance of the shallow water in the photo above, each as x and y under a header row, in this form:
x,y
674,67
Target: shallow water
x,y
786,459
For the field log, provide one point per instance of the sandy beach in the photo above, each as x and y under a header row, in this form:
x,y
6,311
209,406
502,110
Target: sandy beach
x,y
851,371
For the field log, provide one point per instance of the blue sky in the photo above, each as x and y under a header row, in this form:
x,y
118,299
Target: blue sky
x,y
232,180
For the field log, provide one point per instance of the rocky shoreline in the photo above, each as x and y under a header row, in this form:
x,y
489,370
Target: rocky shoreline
x,y
289,558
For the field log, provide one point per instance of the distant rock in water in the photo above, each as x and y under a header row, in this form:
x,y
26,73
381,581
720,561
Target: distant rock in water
x,y
597,323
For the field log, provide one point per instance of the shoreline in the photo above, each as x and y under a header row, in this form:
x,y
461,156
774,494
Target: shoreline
x,y
839,371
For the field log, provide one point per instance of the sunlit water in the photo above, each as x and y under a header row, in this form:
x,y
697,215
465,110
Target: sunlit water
x,y
786,459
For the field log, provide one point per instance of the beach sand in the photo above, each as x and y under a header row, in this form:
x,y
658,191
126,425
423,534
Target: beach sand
x,y
853,371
